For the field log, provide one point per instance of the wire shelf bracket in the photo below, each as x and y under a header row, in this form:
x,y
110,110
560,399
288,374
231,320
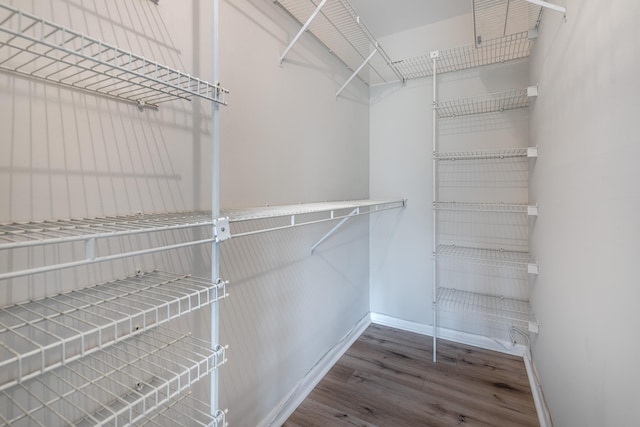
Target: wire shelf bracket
x,y
354,212
355,73
303,29
38,49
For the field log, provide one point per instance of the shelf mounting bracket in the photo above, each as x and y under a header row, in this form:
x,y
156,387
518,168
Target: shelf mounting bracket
x,y
551,6
302,30
353,213
221,229
355,73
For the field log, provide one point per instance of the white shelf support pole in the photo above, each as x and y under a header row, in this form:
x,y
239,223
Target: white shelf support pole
x,y
302,30
215,196
355,73
434,55
353,213
551,6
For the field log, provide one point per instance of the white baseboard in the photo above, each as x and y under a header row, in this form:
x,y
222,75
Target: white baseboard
x,y
450,335
544,416
293,399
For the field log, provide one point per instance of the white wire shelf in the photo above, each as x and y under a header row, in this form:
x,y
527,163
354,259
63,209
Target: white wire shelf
x,y
487,154
89,230
489,103
518,208
115,386
36,233
494,51
36,48
185,411
498,18
489,257
40,335
513,312
341,30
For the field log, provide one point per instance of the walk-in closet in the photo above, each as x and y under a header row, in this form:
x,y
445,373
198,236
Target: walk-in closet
x,y
318,212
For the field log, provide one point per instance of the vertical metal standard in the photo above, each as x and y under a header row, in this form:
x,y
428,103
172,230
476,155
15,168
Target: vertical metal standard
x,y
215,195
355,73
434,56
302,30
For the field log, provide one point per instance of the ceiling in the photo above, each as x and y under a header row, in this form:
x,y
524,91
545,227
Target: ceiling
x,y
384,17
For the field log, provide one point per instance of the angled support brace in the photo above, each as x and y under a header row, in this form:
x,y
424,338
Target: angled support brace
x,y
302,30
355,73
551,6
353,213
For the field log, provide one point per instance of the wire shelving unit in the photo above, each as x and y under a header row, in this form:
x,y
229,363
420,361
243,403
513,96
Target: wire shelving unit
x,y
40,335
118,385
103,354
39,49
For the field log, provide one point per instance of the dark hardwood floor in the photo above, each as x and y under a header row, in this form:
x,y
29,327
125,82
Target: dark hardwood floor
x,y
387,378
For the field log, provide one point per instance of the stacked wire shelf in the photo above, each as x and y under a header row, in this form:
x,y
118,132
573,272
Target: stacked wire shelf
x,y
38,49
471,266
485,314
101,354
117,385
495,51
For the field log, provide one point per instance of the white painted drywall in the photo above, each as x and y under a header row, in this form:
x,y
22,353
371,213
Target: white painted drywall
x,y
586,237
286,138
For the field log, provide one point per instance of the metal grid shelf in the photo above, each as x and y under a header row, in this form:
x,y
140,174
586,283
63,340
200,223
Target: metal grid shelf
x,y
35,48
340,29
40,335
331,209
88,230
115,386
518,208
487,154
490,103
185,411
489,257
497,18
513,312
36,233
495,51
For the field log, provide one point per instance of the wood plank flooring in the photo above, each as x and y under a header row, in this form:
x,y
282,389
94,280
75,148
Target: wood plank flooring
x,y
387,378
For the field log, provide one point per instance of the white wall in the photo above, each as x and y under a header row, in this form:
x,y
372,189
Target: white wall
x,y
586,296
400,163
285,139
